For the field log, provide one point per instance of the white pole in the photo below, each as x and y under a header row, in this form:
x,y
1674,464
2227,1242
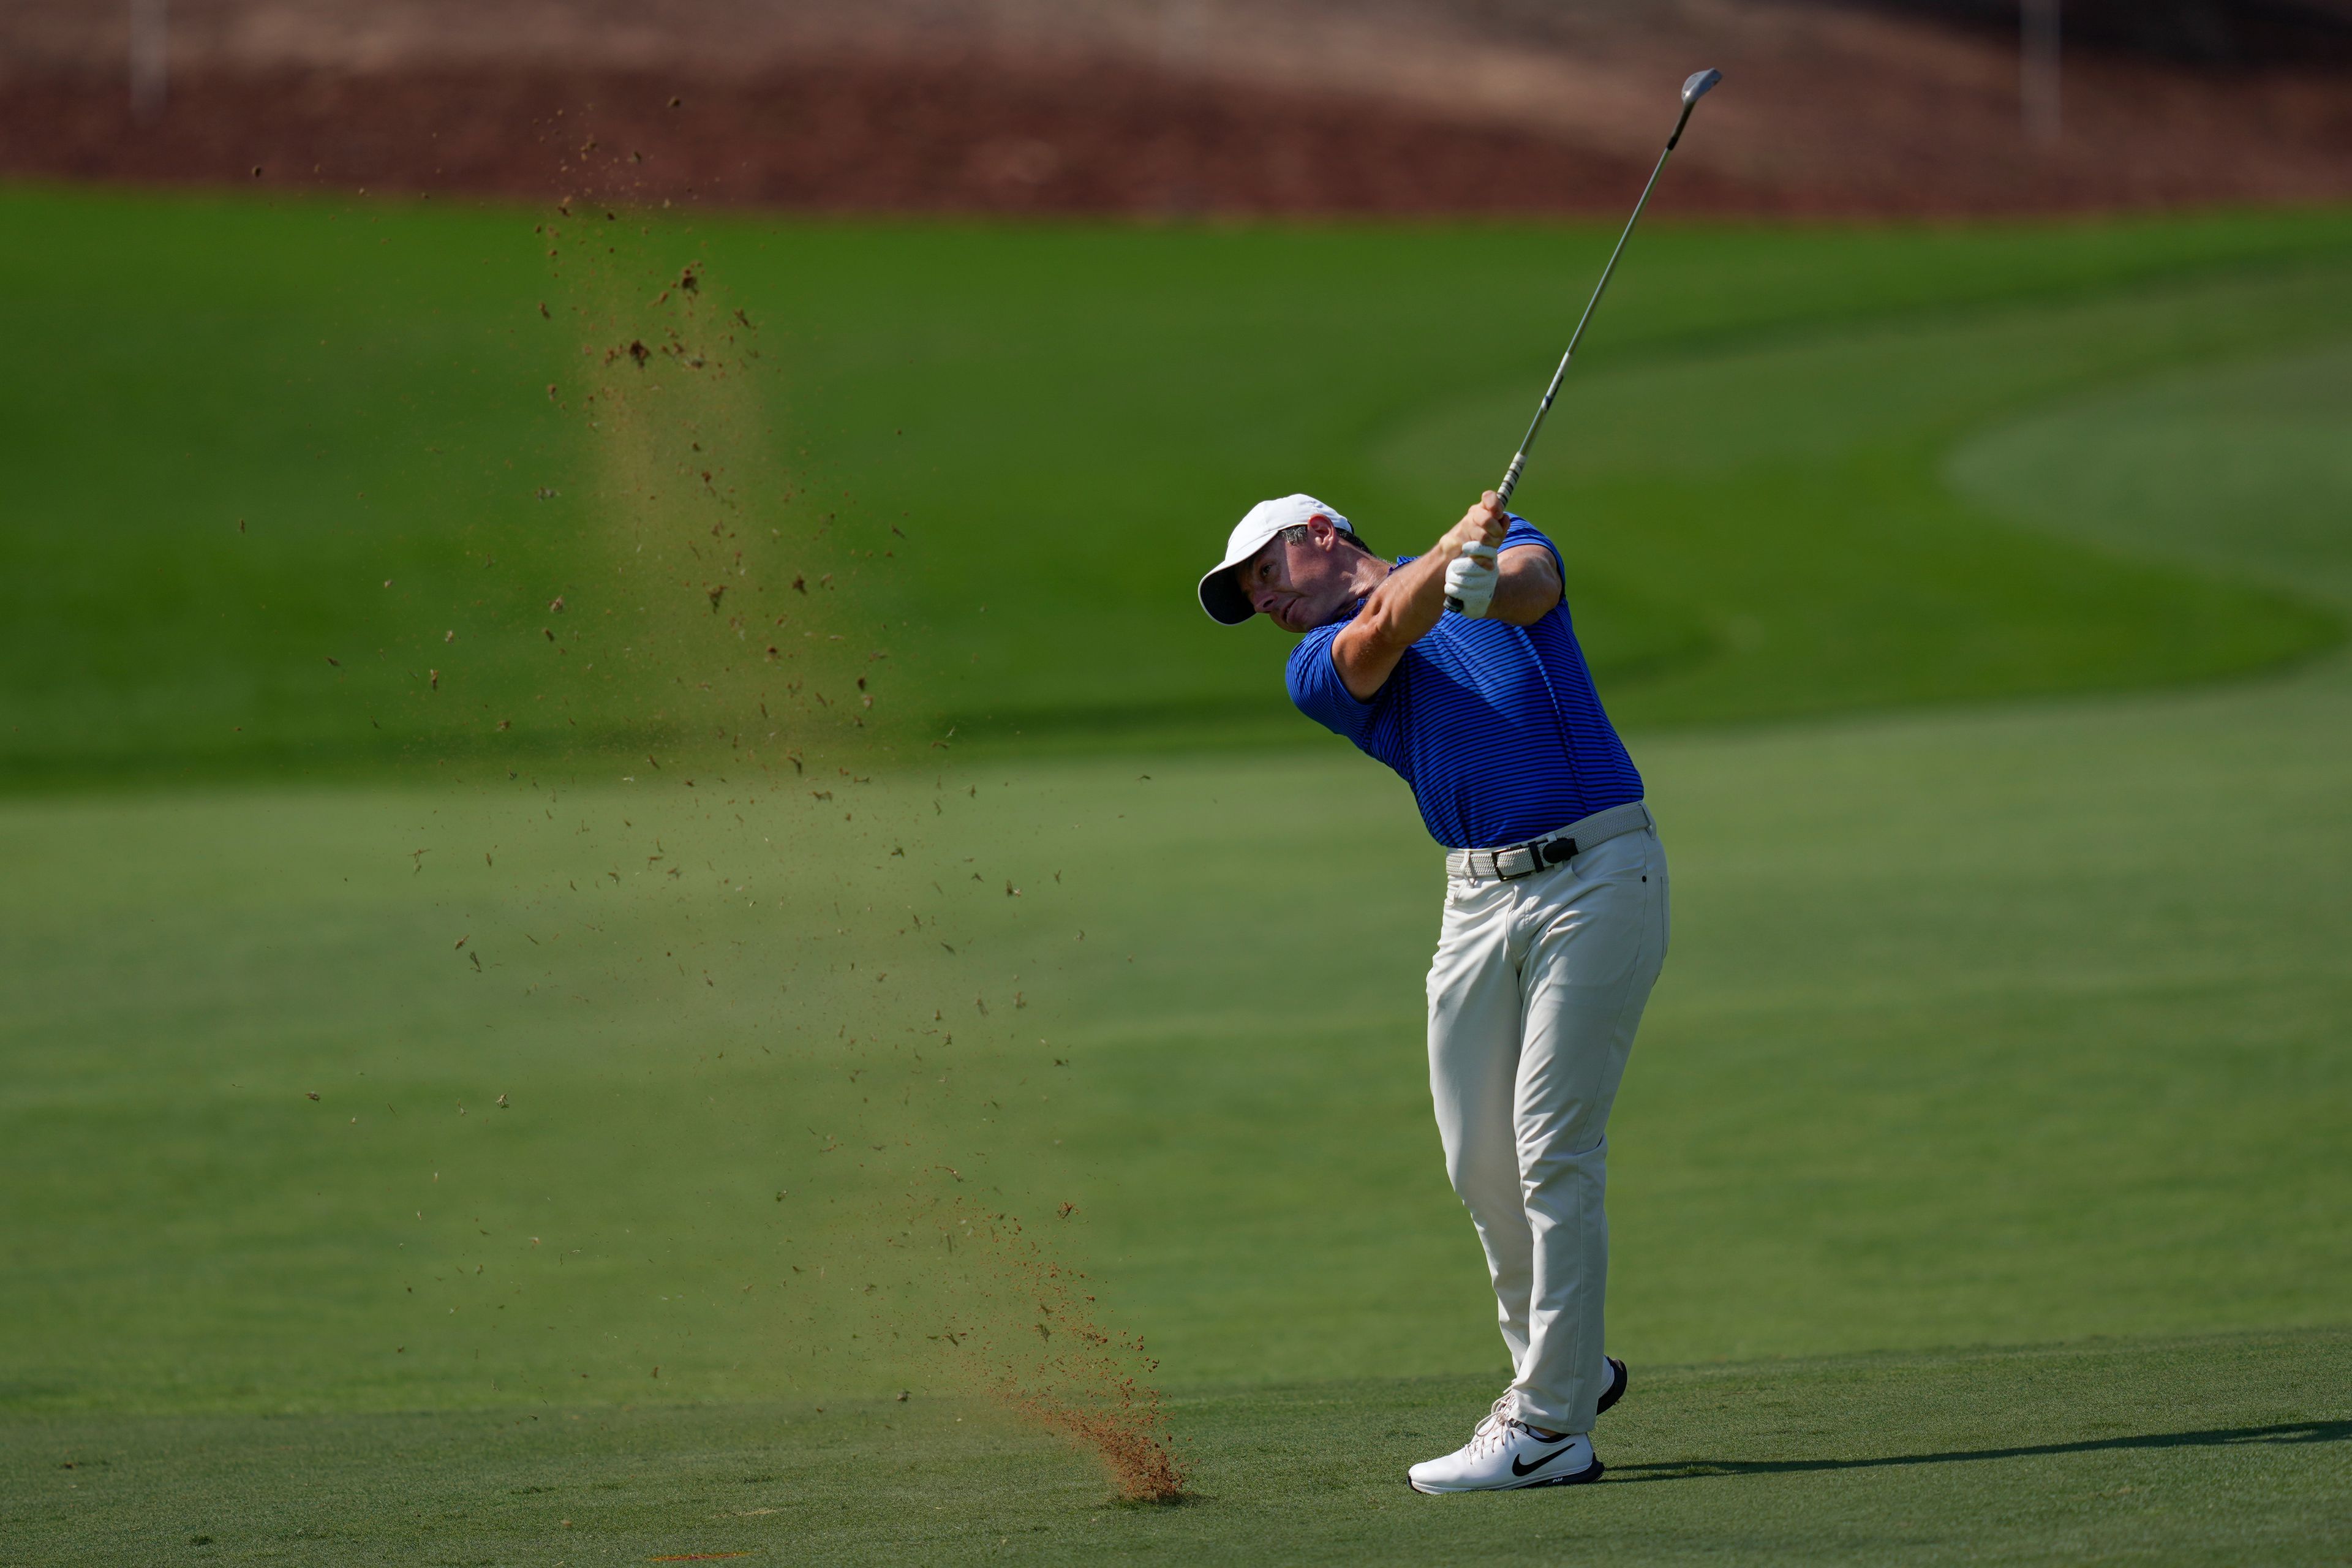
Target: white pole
x,y
2038,80
148,37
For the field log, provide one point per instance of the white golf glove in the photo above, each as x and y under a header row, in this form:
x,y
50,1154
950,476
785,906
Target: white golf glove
x,y
1470,581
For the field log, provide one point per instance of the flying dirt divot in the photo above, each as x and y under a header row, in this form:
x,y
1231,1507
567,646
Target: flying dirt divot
x,y
1026,1328
759,875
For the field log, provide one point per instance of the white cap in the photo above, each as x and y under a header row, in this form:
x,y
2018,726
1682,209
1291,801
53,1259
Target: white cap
x,y
1220,594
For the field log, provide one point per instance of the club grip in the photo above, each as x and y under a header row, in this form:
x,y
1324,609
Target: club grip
x,y
1511,478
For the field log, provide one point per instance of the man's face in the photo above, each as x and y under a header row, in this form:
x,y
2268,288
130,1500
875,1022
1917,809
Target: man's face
x,y
1303,585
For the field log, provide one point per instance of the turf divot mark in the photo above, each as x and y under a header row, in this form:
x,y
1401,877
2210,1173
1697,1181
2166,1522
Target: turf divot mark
x,y
1078,1380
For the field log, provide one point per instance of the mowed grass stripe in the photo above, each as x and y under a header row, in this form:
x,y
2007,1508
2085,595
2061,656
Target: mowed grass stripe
x,y
1973,1030
2211,1450
1763,531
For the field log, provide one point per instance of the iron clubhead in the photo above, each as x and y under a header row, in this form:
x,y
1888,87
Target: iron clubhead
x,y
1697,87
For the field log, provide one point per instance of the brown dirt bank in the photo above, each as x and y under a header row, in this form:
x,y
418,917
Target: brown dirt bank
x,y
1793,134
921,136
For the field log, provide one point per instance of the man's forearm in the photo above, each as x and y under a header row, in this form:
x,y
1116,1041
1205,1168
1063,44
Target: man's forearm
x,y
1408,602
1397,614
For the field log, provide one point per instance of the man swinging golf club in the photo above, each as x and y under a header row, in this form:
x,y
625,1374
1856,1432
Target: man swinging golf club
x,y
1555,922
1461,670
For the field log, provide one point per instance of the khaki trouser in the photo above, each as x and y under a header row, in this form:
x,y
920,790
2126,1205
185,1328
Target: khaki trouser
x,y
1534,995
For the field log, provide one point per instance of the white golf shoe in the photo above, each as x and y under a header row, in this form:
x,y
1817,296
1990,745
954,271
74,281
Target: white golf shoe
x,y
1506,1454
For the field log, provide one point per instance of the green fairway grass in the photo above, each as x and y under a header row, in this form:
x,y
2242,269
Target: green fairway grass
x,y
2242,468
2216,1450
1950,1054
263,437
650,1117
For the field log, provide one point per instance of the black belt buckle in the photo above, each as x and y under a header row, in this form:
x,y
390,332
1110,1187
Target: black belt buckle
x,y
1542,855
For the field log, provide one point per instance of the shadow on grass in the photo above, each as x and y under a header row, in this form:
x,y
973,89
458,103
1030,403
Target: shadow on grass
x,y
2223,1436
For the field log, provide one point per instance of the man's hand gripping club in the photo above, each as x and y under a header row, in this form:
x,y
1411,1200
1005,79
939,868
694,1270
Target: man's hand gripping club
x,y
1408,601
1469,551
1471,581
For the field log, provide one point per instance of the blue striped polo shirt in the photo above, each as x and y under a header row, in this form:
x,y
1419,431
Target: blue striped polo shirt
x,y
1496,727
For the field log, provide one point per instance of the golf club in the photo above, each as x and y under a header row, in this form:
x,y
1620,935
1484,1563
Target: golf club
x,y
1693,90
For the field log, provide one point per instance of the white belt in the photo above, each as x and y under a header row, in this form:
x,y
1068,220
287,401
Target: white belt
x,y
1513,861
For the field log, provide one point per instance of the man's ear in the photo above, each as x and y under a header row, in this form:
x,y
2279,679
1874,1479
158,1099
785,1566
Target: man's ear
x,y
1326,535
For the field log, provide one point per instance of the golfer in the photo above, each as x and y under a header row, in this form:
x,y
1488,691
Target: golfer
x,y
1460,669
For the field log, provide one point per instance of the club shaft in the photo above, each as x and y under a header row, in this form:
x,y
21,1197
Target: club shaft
x,y
1519,463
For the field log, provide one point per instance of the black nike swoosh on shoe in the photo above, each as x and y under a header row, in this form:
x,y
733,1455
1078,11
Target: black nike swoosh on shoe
x,y
1520,1469
1590,1473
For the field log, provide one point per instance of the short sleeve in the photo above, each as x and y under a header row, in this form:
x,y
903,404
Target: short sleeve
x,y
1522,531
1319,693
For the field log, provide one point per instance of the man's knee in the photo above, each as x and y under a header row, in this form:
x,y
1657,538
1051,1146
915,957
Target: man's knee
x,y
1561,1164
1484,1179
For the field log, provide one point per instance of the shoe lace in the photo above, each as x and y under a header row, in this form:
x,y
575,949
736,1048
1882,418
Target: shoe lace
x,y
1497,1415
1495,1432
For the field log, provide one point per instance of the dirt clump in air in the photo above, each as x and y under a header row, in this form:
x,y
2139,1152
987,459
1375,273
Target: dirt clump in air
x,y
1029,1330
749,616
